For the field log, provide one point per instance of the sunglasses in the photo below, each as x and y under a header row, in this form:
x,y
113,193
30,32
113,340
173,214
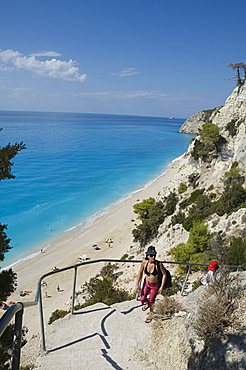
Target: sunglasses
x,y
151,255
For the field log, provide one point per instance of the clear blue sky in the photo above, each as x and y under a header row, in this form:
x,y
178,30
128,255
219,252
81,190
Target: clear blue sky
x,y
141,57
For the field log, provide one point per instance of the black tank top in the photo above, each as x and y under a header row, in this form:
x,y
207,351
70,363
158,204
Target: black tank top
x,y
154,273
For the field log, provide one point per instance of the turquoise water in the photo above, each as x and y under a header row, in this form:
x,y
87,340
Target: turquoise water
x,y
74,166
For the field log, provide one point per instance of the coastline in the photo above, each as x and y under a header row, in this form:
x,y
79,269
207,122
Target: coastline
x,y
117,224
35,251
77,241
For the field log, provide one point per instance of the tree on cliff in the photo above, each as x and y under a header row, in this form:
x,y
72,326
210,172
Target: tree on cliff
x,y
7,278
238,67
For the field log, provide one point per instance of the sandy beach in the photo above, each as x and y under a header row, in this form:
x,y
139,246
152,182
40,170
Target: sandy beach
x,y
116,224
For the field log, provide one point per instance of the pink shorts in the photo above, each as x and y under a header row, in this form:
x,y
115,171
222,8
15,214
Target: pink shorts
x,y
151,290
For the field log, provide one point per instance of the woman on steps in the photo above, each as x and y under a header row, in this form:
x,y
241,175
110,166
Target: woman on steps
x,y
152,286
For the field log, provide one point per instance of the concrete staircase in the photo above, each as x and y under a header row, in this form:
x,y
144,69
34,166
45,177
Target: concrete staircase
x,y
98,337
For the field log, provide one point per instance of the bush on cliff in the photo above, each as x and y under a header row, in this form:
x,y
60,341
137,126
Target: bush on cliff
x,y
152,213
193,251
235,252
210,142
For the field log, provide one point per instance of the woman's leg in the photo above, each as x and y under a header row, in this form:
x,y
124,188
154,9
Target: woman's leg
x,y
152,296
145,293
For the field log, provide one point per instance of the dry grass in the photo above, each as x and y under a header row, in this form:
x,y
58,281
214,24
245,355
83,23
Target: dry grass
x,y
218,307
166,308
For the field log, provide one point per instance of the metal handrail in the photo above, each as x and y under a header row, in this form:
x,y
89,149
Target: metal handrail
x,y
75,267
17,309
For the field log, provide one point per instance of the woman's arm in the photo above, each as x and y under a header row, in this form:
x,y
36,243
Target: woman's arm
x,y
164,278
140,274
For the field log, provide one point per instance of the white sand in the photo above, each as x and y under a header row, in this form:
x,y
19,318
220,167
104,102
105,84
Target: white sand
x,y
116,224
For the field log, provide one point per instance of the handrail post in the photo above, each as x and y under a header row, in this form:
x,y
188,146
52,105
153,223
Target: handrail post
x,y
74,288
17,339
186,278
41,319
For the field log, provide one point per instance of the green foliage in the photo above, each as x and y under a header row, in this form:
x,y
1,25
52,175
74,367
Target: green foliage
x,y
233,198
182,188
192,199
211,187
103,290
193,251
7,153
199,237
108,270
209,144
27,367
235,253
152,214
7,278
125,256
7,283
193,179
144,233
4,242
199,150
196,285
170,204
178,218
143,208
233,175
57,314
231,127
209,133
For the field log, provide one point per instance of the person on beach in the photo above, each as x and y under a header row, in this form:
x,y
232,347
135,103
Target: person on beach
x,y
152,269
213,274
24,293
5,305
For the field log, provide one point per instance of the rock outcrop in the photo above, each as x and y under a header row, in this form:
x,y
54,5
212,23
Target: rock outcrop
x,y
194,122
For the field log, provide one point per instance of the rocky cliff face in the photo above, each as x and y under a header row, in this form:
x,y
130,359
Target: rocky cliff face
x,y
194,122
233,109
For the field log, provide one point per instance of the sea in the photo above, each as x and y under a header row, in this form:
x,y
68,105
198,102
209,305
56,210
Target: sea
x,y
74,168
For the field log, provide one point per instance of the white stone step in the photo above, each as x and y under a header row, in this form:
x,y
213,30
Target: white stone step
x,y
99,337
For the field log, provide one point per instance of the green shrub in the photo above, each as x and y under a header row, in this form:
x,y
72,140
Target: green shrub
x,y
193,197
232,199
152,215
103,290
124,257
28,367
233,175
193,251
57,314
182,188
231,127
144,233
196,285
210,188
108,270
199,211
209,133
236,252
179,218
209,144
193,179
199,150
143,208
170,204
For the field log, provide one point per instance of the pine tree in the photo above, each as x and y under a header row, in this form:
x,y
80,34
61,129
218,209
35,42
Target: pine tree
x,y
7,277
